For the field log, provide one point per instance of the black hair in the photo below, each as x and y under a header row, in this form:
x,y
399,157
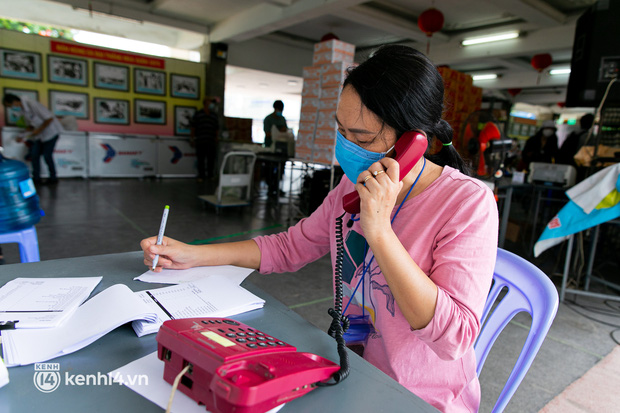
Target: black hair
x,y
9,99
278,105
404,89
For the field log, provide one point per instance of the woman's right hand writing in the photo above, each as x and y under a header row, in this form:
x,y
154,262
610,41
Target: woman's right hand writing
x,y
173,254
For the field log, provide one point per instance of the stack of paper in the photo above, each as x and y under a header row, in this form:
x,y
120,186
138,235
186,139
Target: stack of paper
x,y
101,314
168,276
213,296
43,302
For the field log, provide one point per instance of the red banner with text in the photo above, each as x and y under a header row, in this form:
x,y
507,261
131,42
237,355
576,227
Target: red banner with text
x,y
106,54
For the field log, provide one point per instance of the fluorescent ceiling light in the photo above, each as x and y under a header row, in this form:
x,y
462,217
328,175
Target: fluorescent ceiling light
x,y
137,46
490,38
489,76
554,72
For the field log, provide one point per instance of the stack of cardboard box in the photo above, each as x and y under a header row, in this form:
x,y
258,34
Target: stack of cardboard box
x,y
239,129
461,98
321,90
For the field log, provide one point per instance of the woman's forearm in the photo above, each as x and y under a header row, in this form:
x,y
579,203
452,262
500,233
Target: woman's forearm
x,y
242,254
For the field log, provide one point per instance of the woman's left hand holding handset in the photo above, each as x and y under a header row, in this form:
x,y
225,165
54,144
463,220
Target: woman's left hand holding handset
x,y
378,187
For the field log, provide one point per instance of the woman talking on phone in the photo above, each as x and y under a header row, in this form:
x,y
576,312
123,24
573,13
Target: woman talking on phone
x,y
423,244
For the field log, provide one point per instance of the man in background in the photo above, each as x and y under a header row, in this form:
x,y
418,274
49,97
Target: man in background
x,y
274,118
274,170
43,130
204,126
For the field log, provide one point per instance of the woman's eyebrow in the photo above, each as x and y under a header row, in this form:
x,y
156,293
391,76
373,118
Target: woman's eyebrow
x,y
363,131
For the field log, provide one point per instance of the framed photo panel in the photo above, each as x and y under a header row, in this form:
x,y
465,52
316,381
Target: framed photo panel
x,y
184,86
19,64
67,70
69,104
150,111
111,111
182,118
149,81
114,77
11,117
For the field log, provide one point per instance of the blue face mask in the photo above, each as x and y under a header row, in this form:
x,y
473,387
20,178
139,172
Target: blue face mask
x,y
16,109
354,159
279,112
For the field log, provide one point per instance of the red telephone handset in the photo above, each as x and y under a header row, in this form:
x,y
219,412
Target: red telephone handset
x,y
408,151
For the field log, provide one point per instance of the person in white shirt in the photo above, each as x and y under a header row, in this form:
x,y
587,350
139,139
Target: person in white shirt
x,y
43,128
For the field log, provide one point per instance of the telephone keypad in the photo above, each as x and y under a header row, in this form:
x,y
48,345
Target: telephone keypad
x,y
246,336
231,322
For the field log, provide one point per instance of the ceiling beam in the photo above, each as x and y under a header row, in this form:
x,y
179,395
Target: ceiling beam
x,y
388,23
266,18
558,38
535,11
138,11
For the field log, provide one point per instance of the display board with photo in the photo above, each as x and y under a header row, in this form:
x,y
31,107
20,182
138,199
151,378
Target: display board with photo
x,y
69,104
19,64
11,117
113,77
150,111
149,82
112,111
182,119
66,70
184,86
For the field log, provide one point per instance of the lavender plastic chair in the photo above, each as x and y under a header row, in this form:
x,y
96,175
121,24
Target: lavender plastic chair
x,y
529,290
27,241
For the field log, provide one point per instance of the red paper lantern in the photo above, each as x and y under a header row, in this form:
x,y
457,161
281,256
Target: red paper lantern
x,y
541,61
430,21
514,92
329,36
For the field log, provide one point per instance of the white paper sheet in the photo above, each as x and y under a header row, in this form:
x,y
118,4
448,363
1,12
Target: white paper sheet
x,y
43,302
158,390
98,316
213,296
166,276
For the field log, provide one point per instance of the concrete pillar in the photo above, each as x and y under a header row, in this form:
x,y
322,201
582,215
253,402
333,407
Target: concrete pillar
x,y
216,72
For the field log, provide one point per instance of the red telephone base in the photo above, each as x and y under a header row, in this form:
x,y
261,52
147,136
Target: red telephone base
x,y
236,368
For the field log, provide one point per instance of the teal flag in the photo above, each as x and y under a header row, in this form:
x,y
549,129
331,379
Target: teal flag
x,y
592,202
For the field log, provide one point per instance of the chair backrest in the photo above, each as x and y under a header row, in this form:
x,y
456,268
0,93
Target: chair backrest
x,y
528,289
236,170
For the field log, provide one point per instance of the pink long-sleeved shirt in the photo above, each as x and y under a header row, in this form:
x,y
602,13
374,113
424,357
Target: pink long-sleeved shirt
x,y
450,231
